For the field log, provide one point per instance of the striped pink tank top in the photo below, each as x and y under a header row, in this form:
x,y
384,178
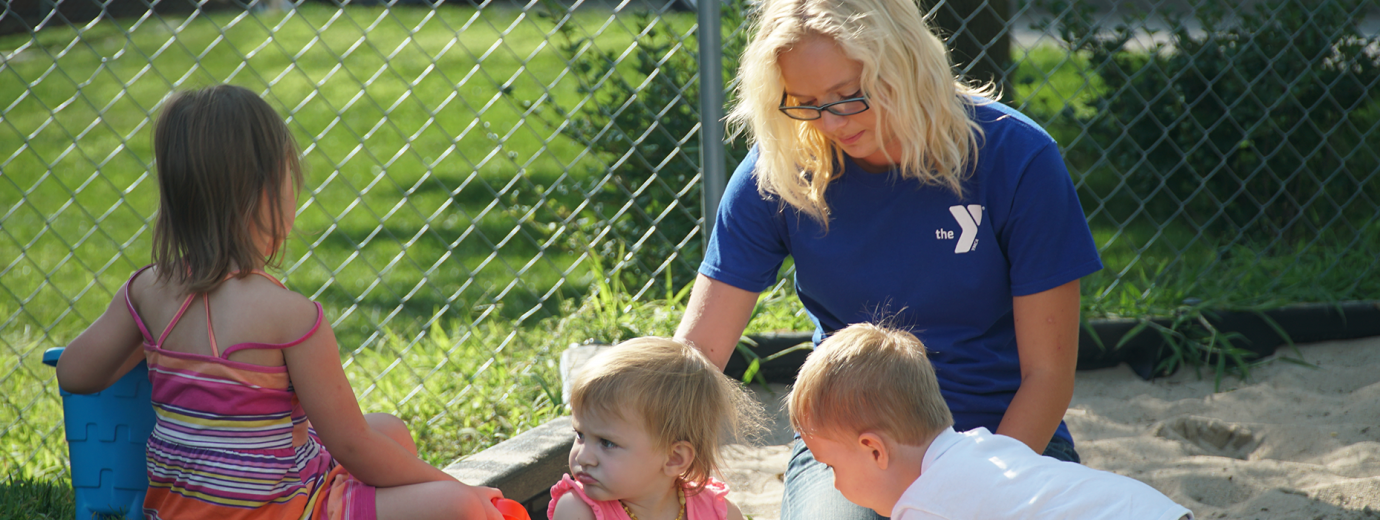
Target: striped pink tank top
x,y
231,440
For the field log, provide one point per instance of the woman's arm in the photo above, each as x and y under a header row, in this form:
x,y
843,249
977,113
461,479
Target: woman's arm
x,y
104,352
1047,340
715,318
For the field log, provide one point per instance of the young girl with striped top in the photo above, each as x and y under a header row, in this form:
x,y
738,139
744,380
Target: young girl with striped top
x,y
237,362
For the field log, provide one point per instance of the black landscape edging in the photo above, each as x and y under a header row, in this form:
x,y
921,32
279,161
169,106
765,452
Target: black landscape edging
x,y
1304,323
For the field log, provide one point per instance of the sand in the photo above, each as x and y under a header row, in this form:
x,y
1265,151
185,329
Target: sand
x,y
1292,442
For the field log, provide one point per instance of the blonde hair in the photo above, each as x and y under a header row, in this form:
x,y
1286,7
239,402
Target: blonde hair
x,y
869,378
680,395
906,75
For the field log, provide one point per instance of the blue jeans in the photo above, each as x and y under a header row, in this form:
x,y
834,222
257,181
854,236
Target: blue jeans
x,y
810,492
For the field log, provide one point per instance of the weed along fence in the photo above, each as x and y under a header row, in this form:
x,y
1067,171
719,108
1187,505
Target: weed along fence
x,y
487,183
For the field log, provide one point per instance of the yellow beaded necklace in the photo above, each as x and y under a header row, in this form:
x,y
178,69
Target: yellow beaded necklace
x,y
680,515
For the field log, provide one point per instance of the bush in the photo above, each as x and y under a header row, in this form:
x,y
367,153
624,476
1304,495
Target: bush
x,y
640,120
1264,127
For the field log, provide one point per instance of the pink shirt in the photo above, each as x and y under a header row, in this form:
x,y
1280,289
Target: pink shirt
x,y
711,503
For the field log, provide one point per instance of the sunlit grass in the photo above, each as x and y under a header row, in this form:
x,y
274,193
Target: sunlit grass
x,y
435,227
31,433
437,172
28,498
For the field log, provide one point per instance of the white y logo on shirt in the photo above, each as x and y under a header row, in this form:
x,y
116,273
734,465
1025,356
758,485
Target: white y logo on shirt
x,y
968,220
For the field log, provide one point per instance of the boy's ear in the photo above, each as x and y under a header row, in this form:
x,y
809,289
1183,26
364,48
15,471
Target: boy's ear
x,y
678,458
874,446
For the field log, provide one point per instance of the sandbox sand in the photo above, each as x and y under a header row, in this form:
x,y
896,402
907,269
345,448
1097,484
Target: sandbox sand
x,y
1292,442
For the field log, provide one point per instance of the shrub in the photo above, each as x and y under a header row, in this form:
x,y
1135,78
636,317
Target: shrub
x,y
640,119
1264,127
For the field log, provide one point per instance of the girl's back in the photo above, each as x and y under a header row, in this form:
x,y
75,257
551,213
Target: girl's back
x,y
252,309
231,439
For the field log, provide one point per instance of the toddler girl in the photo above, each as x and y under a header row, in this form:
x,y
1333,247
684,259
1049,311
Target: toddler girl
x,y
237,361
649,417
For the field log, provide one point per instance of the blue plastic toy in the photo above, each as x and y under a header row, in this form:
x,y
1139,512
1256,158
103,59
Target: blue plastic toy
x,y
106,436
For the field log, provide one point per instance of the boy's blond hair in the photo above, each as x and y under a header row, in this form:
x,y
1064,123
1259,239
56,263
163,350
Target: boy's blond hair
x,y
869,378
680,395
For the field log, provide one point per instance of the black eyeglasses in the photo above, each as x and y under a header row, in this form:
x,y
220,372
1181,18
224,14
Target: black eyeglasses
x,y
842,107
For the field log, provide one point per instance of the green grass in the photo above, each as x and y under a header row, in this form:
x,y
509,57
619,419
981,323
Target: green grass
x,y
448,243
31,433
436,240
437,177
30,498
1144,278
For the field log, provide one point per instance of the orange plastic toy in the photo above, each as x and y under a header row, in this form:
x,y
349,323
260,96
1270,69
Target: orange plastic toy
x,y
511,509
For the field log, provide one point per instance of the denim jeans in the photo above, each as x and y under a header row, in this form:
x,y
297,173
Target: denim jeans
x,y
810,493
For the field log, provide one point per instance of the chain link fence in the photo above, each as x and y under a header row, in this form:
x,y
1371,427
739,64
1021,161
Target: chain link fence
x,y
474,169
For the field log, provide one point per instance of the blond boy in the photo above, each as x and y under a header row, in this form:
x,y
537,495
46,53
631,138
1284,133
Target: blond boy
x,y
867,404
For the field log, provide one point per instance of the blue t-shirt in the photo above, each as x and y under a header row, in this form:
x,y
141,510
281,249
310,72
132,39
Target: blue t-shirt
x,y
921,258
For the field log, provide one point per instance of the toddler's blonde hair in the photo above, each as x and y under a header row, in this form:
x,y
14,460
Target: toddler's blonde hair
x,y
869,378
679,394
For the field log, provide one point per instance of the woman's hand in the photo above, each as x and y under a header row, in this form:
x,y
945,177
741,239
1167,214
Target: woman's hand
x,y
1047,340
715,318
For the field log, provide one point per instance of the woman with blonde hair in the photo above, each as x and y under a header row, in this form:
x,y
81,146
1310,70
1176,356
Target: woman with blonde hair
x,y
906,194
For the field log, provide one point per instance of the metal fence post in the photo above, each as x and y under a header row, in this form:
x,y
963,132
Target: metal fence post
x,y
712,163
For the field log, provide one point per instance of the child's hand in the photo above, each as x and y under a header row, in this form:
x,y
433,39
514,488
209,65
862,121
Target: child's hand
x,y
511,509
486,496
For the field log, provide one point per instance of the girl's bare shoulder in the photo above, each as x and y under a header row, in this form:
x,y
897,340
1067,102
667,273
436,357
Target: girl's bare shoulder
x,y
152,297
571,507
254,293
279,314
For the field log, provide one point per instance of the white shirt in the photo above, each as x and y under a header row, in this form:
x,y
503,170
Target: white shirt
x,y
979,475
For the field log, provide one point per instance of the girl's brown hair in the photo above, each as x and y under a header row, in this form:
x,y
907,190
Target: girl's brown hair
x,y
680,395
223,157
